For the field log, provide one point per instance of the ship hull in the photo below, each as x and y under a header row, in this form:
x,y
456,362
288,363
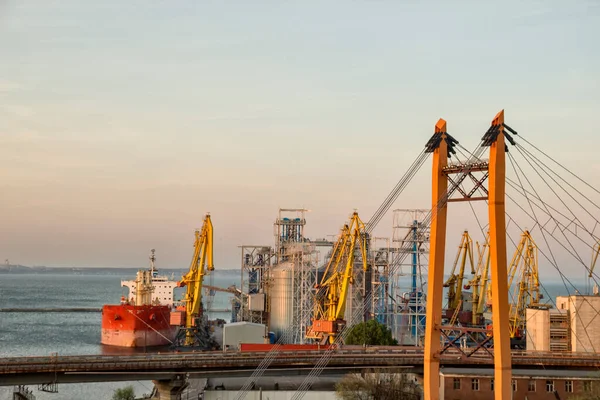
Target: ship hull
x,y
136,326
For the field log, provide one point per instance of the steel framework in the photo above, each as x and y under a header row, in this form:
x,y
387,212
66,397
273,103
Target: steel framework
x,y
380,266
407,289
256,265
291,246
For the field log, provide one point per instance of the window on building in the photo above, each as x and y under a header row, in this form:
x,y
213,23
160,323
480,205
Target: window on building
x,y
531,386
549,386
475,384
587,386
569,386
492,384
456,383
514,385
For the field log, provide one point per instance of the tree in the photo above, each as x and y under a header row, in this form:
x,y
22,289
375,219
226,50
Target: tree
x,y
371,333
376,385
593,393
126,393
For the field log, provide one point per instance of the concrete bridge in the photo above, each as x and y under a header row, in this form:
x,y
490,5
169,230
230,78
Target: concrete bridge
x,y
159,367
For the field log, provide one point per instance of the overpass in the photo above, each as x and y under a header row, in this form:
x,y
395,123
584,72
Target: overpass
x,y
161,367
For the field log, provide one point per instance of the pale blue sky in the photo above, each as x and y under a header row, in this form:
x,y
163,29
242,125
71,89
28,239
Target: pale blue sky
x,y
123,122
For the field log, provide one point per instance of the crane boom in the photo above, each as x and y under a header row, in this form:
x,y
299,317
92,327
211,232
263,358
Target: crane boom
x,y
480,281
332,291
455,281
526,291
201,265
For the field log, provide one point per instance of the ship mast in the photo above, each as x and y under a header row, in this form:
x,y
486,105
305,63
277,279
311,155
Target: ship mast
x,y
152,259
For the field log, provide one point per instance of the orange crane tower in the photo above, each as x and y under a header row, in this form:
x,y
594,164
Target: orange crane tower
x,y
440,145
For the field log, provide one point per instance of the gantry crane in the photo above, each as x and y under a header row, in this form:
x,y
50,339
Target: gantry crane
x,y
455,281
195,331
332,291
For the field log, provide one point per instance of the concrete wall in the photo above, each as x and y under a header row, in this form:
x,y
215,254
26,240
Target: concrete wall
x,y
585,321
538,329
268,394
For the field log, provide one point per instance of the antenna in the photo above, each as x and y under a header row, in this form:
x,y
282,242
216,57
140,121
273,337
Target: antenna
x,y
152,259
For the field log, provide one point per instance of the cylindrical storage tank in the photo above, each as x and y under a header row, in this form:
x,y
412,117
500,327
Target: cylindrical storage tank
x,y
281,299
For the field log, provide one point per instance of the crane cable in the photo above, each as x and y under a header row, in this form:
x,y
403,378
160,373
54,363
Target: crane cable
x,y
357,315
381,211
551,259
396,191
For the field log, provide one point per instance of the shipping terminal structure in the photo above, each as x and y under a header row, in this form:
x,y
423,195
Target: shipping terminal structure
x,y
149,316
303,293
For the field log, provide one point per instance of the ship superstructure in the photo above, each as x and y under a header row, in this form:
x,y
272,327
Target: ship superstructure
x,y
149,287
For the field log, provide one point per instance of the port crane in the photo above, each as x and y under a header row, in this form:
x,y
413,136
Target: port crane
x,y
332,291
480,282
523,277
526,291
195,331
455,281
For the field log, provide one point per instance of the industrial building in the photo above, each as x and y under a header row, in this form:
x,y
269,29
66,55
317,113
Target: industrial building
x,y
236,333
279,288
478,383
572,327
279,282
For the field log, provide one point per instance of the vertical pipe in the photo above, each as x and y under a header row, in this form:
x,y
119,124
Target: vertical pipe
x,y
414,256
414,309
436,269
502,356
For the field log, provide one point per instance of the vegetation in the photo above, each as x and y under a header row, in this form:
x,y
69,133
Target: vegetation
x,y
371,333
593,394
126,393
376,385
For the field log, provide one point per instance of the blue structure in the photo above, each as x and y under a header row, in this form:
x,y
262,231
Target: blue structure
x,y
416,303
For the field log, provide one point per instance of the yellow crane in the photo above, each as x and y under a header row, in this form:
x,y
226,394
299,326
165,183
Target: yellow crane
x,y
526,290
332,291
480,282
455,281
201,265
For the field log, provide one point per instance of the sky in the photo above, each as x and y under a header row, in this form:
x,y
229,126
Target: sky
x,y
123,123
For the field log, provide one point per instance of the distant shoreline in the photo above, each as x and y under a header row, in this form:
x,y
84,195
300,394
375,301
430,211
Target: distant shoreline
x,y
23,269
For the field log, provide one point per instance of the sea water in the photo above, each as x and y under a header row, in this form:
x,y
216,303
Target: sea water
x,y
75,333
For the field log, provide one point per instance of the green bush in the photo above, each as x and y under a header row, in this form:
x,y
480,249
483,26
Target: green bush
x,y
371,333
126,393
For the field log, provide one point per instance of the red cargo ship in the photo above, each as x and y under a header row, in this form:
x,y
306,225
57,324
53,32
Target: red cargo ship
x,y
142,319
